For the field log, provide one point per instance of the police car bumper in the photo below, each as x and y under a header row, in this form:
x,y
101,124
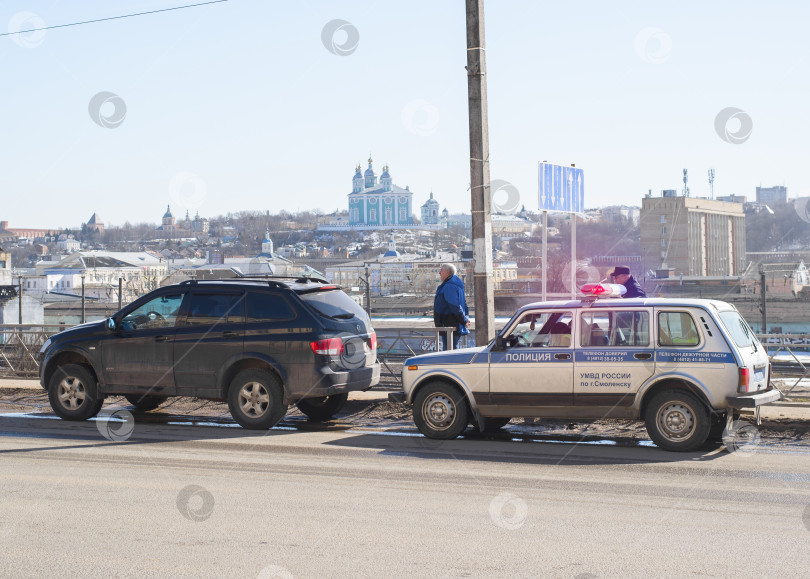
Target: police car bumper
x,y
754,400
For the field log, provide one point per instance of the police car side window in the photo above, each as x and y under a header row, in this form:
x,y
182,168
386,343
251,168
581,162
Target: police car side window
x,y
677,329
541,330
614,329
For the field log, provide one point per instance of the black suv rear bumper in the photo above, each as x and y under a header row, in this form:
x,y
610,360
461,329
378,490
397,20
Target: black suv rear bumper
x,y
350,381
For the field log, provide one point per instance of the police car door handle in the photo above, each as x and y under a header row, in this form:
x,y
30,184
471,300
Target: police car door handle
x,y
642,356
562,356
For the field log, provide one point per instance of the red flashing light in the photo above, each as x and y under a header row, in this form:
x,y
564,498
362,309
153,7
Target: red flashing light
x,y
373,341
604,290
330,347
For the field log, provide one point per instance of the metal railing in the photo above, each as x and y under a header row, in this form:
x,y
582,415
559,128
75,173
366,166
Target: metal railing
x,y
786,365
397,344
19,346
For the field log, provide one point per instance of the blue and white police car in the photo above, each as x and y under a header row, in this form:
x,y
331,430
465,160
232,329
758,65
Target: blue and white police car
x,y
686,367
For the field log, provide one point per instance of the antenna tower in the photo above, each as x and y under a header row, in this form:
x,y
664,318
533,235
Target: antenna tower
x,y
711,181
685,186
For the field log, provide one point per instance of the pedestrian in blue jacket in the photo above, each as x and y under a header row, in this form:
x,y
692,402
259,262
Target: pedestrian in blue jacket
x,y
450,306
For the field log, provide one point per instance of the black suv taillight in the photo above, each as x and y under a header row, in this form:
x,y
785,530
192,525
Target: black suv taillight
x,y
328,347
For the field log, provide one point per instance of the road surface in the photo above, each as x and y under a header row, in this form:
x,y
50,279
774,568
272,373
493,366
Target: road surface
x,y
190,500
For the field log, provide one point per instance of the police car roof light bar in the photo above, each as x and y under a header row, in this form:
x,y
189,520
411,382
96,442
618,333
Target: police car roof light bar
x,y
603,290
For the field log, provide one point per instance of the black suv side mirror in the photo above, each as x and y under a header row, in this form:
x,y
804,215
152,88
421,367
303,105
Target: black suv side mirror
x,y
111,324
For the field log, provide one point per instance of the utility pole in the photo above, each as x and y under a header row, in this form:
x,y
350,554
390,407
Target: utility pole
x,y
120,292
481,208
83,310
367,282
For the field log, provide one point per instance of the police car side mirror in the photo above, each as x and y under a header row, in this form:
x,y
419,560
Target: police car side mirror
x,y
499,342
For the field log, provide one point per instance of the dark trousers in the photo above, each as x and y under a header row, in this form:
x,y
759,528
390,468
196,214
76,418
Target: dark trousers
x,y
443,340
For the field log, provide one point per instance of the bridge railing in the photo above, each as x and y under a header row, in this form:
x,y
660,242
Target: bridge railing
x,y
790,362
19,346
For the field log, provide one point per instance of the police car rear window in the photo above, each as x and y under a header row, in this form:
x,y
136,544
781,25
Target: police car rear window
x,y
737,328
619,329
677,329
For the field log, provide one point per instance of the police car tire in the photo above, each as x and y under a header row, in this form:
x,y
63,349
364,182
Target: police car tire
x,y
435,401
675,405
322,407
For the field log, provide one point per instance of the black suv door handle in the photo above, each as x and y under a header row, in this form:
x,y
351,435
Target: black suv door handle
x,y
642,356
161,338
562,356
230,334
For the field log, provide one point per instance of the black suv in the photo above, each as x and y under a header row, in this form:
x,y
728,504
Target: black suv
x,y
260,344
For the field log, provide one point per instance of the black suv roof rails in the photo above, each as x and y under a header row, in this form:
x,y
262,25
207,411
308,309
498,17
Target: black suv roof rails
x,y
270,283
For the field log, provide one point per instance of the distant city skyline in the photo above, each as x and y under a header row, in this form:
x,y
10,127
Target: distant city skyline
x,y
242,106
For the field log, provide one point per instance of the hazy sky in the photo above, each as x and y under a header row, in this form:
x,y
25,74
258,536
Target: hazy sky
x,y
241,106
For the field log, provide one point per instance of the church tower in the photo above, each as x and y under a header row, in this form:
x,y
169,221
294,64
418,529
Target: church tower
x,y
371,178
267,243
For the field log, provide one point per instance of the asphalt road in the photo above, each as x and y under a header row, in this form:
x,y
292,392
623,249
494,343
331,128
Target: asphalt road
x,y
191,500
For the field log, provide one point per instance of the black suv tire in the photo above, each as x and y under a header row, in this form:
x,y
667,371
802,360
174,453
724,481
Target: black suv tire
x,y
73,393
256,399
322,407
144,403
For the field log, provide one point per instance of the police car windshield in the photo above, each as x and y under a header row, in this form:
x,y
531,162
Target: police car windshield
x,y
738,329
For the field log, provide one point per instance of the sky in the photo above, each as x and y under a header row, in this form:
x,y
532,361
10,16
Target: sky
x,y
250,105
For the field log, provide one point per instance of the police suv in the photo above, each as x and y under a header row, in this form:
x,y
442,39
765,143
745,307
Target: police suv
x,y
686,367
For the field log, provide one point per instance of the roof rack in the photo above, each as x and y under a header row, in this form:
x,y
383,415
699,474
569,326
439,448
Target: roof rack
x,y
270,283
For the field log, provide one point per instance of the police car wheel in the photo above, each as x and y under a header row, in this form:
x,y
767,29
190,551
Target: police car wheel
x,y
677,421
440,411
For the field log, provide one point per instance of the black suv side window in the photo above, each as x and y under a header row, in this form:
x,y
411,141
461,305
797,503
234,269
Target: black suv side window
x,y
267,307
160,312
208,309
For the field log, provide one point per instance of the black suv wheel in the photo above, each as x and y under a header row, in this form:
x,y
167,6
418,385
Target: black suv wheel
x,y
256,399
73,393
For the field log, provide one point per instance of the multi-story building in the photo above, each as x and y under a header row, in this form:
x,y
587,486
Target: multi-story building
x,y
772,195
620,214
695,237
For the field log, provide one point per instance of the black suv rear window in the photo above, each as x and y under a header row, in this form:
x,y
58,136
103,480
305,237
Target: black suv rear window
x,y
334,304
262,307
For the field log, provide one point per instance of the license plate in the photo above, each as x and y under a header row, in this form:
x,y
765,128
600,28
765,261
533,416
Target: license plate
x,y
759,375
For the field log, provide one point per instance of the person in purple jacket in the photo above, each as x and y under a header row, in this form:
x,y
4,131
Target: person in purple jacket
x,y
450,306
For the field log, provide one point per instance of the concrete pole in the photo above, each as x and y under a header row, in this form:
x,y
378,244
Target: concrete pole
x,y
762,301
120,292
19,302
479,175
83,312
545,253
